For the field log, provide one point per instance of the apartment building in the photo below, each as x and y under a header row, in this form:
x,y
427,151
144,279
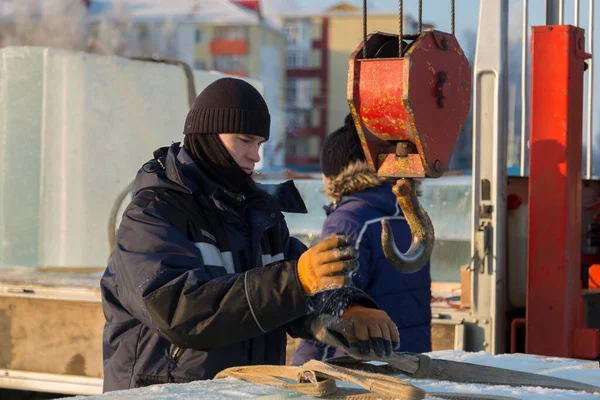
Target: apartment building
x,y
224,36
319,44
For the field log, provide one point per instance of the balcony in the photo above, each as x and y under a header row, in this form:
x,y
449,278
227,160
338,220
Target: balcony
x,y
241,74
229,47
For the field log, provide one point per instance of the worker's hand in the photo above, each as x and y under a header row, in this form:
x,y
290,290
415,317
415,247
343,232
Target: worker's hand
x,y
373,330
327,265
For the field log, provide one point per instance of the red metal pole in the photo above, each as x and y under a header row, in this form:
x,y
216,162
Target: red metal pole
x,y
555,318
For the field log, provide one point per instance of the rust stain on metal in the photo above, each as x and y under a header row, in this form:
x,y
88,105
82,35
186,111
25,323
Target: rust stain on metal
x,y
430,67
394,100
393,166
397,101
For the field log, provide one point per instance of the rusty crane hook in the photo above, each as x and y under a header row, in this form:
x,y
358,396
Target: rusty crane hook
x,y
420,226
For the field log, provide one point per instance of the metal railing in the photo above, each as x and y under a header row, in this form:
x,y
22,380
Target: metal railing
x,y
524,86
590,89
555,15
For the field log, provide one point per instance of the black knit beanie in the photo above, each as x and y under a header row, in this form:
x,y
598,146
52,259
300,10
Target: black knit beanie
x,y
340,149
225,106
229,105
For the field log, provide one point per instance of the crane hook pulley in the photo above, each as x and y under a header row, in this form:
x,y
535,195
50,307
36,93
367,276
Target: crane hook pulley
x,y
409,96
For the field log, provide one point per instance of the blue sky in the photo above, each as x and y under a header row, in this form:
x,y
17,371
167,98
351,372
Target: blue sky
x,y
467,15
434,11
467,11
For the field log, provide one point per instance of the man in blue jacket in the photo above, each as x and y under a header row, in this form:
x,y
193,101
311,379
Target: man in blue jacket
x,y
204,274
360,201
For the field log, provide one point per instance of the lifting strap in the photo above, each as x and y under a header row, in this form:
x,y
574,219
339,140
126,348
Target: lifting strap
x,y
318,379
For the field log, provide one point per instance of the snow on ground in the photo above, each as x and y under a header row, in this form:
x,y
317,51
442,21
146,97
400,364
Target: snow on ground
x,y
230,388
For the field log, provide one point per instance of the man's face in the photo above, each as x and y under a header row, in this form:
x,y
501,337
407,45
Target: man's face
x,y
243,149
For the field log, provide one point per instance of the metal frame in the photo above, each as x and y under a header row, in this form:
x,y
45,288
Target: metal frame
x,y
459,330
488,266
554,250
555,11
555,322
524,87
49,383
41,291
589,169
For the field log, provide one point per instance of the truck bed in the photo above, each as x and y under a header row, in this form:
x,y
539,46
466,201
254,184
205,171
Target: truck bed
x,y
51,325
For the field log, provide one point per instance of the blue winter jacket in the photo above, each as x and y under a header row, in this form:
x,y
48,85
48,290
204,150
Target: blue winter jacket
x,y
404,297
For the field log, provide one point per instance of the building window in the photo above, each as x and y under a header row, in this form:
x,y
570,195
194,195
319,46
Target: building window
x,y
299,119
297,59
293,32
200,36
230,63
299,93
304,146
231,33
290,91
304,94
314,146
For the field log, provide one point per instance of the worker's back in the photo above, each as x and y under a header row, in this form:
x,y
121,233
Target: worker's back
x,y
360,201
404,297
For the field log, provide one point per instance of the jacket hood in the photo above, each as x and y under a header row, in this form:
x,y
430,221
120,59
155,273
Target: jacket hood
x,y
173,168
356,177
358,182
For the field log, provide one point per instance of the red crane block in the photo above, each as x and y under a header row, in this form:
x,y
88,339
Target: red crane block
x,y
418,102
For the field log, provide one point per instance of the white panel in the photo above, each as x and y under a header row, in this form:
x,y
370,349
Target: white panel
x,y
489,177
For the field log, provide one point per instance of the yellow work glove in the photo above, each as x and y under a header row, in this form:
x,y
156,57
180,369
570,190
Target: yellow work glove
x,y
327,265
373,330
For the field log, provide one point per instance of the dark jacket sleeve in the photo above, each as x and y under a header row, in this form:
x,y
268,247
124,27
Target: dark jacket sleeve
x,y
332,302
299,327
164,283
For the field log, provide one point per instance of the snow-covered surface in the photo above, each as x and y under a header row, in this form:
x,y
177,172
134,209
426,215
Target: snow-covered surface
x,y
204,11
212,12
578,370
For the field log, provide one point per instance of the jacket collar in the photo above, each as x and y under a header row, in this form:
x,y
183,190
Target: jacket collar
x,y
181,169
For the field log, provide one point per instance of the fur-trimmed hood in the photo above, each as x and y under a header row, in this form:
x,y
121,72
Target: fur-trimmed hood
x,y
356,177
